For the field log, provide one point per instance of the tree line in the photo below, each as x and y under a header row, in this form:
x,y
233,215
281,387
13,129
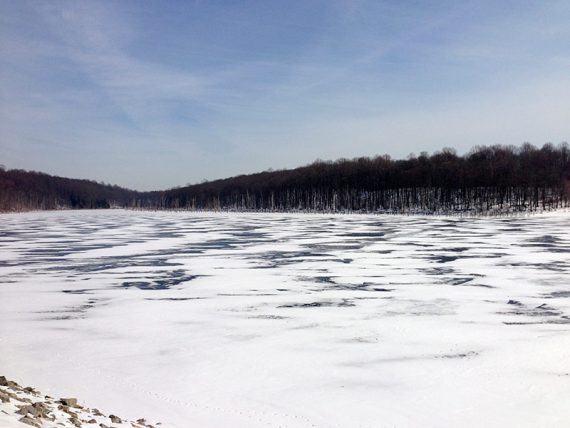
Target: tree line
x,y
496,178
487,179
29,190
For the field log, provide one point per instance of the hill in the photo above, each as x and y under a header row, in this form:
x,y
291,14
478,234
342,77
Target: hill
x,y
497,178
29,190
487,179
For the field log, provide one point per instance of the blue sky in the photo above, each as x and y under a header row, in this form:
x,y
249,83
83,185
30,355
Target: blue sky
x,y
152,94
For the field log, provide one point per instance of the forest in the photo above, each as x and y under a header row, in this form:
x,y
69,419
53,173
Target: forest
x,y
29,190
487,179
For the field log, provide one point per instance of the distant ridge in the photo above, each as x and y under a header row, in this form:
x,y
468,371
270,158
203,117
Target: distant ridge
x,y
495,179
29,190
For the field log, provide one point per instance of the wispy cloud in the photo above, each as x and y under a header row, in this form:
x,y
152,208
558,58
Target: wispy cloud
x,y
108,89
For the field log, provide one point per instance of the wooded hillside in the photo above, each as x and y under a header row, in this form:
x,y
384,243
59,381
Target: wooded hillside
x,y
28,190
497,178
487,179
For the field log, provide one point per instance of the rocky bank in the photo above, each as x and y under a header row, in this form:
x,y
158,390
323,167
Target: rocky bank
x,y
21,406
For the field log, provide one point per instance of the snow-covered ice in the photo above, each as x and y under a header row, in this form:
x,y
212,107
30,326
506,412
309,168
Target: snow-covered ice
x,y
291,320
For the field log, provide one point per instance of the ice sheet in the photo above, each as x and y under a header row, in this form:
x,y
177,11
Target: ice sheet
x,y
291,320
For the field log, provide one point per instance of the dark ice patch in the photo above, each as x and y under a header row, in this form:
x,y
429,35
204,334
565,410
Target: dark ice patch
x,y
275,259
458,249
110,263
545,239
438,271
458,280
375,235
546,313
172,279
268,317
443,259
550,266
558,294
72,312
344,303
459,355
79,291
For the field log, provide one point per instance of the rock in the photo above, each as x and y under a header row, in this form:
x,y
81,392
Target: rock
x,y
115,419
4,398
71,402
141,421
8,383
103,426
28,410
75,421
41,406
91,421
96,412
37,410
514,302
29,421
10,394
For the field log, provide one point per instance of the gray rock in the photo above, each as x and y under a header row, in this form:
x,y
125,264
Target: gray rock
x,y
115,419
75,421
41,406
72,402
30,421
8,383
37,410
29,410
10,394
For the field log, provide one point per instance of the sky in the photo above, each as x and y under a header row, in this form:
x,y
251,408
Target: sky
x,y
155,94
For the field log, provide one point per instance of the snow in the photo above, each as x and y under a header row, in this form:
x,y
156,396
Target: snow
x,y
49,412
291,320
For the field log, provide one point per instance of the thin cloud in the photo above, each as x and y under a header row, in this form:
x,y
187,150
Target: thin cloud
x,y
204,90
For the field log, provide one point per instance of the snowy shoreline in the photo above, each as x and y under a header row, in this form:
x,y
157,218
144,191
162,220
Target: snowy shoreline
x,y
26,405
491,213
